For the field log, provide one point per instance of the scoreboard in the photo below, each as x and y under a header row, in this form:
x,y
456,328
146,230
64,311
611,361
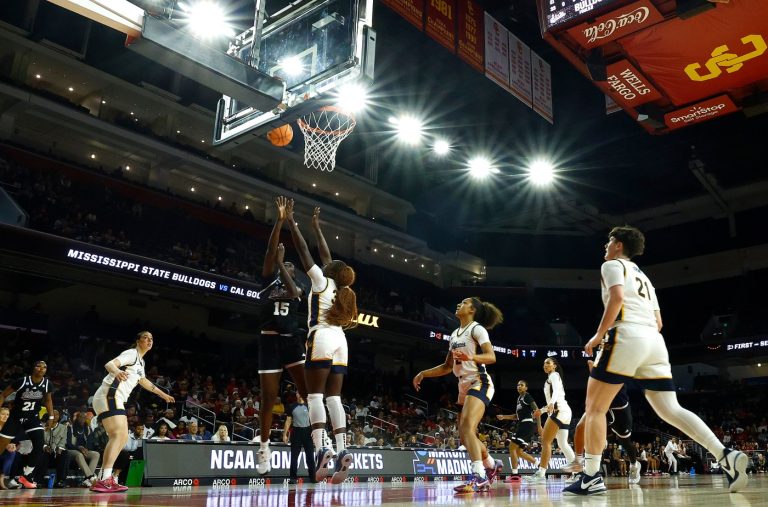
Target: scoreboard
x,y
561,12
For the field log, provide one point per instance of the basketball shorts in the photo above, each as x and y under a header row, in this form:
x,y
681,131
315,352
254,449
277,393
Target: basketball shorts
x,y
327,348
562,416
16,425
480,386
620,421
631,351
524,433
109,401
278,351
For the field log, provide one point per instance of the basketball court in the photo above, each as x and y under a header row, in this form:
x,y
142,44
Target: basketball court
x,y
701,491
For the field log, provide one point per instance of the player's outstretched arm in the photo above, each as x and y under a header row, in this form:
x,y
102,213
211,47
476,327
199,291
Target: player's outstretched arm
x,y
290,284
437,371
152,388
298,240
322,246
274,237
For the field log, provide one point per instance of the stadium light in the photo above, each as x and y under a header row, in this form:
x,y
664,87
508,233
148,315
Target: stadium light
x,y
541,172
292,65
409,129
441,147
207,20
352,97
480,167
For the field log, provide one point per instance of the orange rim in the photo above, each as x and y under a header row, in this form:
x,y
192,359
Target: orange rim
x,y
304,126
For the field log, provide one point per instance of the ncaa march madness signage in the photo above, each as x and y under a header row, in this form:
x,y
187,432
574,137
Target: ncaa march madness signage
x,y
195,463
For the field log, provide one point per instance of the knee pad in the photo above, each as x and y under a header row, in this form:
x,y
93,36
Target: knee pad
x,y
336,411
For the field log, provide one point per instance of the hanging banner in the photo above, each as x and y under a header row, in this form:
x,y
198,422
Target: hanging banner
x,y
618,23
470,36
441,22
627,86
520,70
542,87
411,10
703,111
721,49
496,51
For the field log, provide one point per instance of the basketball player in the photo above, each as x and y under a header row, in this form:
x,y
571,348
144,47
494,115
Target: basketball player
x,y
620,423
470,351
525,427
332,309
31,392
559,419
281,344
633,347
123,373
670,451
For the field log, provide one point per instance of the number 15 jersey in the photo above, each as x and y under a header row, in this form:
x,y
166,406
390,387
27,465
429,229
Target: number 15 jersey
x,y
640,301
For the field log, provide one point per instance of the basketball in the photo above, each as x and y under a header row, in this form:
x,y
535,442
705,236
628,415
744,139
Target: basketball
x,y
281,135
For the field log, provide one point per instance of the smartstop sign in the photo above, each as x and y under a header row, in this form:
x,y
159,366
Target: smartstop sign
x,y
208,463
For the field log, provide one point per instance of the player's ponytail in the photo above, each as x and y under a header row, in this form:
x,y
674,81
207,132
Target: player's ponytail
x,y
344,310
486,314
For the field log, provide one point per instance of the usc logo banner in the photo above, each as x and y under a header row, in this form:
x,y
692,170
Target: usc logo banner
x,y
722,59
721,50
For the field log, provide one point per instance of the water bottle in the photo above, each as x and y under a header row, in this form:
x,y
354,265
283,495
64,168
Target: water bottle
x,y
51,480
693,470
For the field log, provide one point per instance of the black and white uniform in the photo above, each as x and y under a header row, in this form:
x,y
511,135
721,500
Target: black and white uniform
x,y
281,344
620,415
111,396
326,343
473,378
25,414
526,427
554,392
633,348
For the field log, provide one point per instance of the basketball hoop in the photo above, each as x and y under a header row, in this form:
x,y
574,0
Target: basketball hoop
x,y
324,130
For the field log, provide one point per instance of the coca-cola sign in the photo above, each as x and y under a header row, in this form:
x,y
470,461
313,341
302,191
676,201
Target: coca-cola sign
x,y
702,111
618,23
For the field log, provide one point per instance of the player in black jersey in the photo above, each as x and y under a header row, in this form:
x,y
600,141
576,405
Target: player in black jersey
x,y
281,341
31,392
619,419
526,426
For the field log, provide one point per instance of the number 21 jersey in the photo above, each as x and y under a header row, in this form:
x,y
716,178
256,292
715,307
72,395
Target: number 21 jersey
x,y
639,295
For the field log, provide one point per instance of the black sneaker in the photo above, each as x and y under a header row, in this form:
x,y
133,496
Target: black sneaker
x,y
588,485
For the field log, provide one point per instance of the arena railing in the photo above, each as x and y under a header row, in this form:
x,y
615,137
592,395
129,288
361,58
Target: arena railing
x,y
419,402
236,435
195,410
382,424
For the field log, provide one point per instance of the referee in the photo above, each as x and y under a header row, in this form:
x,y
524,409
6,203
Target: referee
x,y
301,436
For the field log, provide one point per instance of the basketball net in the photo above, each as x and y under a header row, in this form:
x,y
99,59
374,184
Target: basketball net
x,y
324,130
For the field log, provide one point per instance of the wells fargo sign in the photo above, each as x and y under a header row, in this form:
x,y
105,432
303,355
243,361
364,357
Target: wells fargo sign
x,y
627,86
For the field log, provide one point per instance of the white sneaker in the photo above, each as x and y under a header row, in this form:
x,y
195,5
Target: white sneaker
x,y
573,467
573,477
536,478
634,473
734,465
264,463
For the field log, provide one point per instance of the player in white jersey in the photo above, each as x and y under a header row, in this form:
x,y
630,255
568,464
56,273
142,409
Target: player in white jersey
x,y
633,348
559,419
123,373
332,309
470,351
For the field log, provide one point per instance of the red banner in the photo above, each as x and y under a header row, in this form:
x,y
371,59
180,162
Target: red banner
x,y
441,22
703,111
621,22
721,49
627,86
411,10
471,34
